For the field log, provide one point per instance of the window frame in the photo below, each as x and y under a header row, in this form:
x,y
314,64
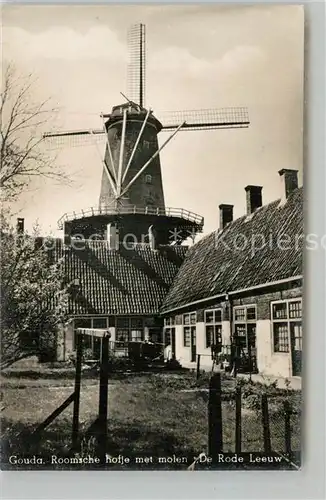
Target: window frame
x,y
245,322
192,317
287,320
215,325
148,179
169,321
130,328
186,338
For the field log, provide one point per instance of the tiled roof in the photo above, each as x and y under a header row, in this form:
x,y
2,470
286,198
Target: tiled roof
x,y
120,282
226,261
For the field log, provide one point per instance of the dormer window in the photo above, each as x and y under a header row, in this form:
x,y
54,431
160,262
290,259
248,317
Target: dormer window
x,y
148,179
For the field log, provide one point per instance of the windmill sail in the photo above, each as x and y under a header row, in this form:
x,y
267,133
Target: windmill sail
x,y
206,119
136,64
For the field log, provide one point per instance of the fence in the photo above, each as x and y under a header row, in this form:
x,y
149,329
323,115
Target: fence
x,y
125,210
259,423
237,422
100,423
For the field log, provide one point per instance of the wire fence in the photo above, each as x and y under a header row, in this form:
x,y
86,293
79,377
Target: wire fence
x,y
241,421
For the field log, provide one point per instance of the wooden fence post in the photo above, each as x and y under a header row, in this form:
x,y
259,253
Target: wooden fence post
x,y
265,422
103,399
75,418
287,428
198,366
238,420
215,432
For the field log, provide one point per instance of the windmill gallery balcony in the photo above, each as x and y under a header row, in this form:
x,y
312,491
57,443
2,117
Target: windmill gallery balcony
x,y
133,219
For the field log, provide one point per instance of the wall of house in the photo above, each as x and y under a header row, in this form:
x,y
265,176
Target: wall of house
x,y
268,362
65,341
277,364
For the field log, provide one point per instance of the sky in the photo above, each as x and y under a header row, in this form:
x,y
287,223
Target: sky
x,y
197,57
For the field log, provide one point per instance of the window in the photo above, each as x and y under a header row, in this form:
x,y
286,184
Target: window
x,y
286,322
245,329
244,313
281,337
189,329
169,321
99,323
189,319
148,179
136,335
129,329
146,144
169,333
213,327
122,335
187,336
136,325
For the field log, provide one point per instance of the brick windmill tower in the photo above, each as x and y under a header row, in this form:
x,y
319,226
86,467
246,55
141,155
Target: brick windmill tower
x,y
131,202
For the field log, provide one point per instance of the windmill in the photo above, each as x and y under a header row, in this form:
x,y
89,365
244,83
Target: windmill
x,y
131,189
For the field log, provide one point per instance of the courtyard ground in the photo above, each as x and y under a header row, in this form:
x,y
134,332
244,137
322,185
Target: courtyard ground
x,y
150,415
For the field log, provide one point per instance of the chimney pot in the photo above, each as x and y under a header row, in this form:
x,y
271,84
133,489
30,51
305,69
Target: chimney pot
x,y
289,182
226,215
253,198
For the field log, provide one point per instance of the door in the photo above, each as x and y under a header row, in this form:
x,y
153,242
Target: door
x,y
245,344
296,347
251,348
193,343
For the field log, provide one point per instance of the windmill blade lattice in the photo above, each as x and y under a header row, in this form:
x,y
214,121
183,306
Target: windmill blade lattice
x,y
206,119
136,72
74,138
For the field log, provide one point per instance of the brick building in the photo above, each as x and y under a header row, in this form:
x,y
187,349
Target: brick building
x,y
242,285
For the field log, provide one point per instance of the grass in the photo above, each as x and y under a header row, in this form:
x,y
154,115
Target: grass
x,y
150,415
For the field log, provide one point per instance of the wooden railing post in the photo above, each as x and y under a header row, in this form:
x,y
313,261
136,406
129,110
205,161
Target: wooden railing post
x,y
238,420
103,399
215,434
198,367
75,418
287,428
265,422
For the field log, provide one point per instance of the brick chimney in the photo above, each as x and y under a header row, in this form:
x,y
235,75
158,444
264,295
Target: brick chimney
x,y
20,225
226,215
289,182
253,198
112,235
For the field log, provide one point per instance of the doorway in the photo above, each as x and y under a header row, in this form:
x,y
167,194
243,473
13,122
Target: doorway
x,y
296,347
193,343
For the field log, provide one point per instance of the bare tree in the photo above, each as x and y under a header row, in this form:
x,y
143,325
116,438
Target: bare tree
x,y
22,156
